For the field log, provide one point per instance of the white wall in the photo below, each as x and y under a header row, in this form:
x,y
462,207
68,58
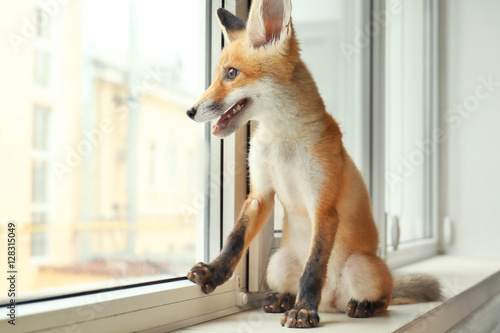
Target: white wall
x,y
470,110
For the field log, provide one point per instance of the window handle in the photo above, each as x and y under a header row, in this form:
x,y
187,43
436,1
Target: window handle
x,y
395,232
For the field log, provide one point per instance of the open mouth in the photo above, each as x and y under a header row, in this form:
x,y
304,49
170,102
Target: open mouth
x,y
229,115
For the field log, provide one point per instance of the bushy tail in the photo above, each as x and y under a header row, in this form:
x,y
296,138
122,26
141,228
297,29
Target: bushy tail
x,y
415,288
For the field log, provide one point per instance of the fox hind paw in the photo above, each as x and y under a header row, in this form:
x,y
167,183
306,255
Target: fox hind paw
x,y
361,309
279,302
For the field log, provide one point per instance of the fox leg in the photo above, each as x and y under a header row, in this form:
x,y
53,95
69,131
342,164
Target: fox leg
x,y
305,312
369,283
254,214
283,275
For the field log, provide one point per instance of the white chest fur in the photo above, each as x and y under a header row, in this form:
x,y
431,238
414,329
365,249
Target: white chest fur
x,y
288,168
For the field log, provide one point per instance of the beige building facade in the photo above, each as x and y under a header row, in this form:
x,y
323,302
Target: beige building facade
x,y
64,141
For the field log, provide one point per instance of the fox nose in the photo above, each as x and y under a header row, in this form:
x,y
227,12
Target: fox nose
x,y
191,112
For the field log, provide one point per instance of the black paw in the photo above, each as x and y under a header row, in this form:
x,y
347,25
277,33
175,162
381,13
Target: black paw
x,y
361,309
300,318
205,276
278,302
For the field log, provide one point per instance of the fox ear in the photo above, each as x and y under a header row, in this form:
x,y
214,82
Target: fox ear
x,y
232,26
269,20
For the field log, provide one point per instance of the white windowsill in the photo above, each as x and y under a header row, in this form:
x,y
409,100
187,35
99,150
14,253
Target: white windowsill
x,y
128,310
468,283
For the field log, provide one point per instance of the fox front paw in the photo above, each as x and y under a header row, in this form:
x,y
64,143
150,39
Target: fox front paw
x,y
300,318
205,276
202,274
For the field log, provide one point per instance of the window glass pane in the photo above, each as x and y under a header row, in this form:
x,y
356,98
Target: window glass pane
x,y
39,244
42,23
42,68
407,130
106,172
40,175
328,34
41,128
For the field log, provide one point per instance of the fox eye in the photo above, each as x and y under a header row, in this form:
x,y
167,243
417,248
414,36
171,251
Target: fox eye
x,y
232,73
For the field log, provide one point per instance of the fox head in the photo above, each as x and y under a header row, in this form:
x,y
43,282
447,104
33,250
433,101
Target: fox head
x,y
259,56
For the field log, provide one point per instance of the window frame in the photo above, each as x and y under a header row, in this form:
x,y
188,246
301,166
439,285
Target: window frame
x,y
377,127
411,251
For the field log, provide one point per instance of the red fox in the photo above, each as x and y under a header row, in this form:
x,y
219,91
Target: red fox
x,y
328,260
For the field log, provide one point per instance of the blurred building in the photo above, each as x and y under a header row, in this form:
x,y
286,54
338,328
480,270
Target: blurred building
x,y
64,140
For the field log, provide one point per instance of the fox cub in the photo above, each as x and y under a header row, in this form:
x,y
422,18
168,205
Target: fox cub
x,y
328,260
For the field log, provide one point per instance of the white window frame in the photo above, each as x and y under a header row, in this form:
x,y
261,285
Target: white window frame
x,y
424,248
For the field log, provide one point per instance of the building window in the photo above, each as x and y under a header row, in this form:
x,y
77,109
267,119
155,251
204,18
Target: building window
x,y
43,24
41,179
43,50
39,241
